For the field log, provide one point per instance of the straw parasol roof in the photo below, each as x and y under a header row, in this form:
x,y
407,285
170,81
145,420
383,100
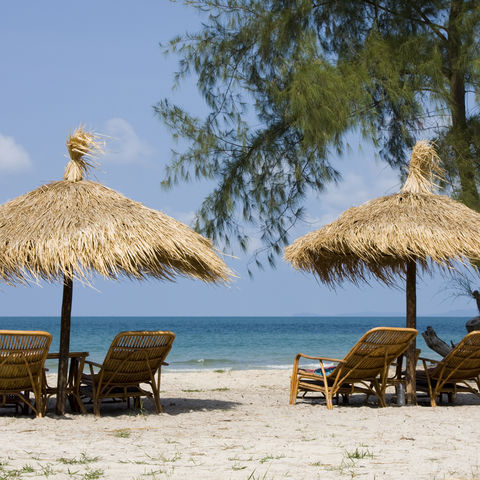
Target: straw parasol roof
x,y
74,226
67,229
378,237
389,236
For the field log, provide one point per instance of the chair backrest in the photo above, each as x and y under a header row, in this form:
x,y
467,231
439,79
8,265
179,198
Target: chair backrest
x,y
134,357
463,362
22,354
375,351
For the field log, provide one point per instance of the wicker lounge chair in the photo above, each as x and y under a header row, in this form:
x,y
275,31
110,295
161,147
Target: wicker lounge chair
x,y
22,357
132,360
454,373
363,370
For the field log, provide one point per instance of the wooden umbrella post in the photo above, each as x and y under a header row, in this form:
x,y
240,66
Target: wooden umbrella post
x,y
64,345
411,391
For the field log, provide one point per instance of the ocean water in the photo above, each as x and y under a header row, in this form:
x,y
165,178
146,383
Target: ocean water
x,y
235,342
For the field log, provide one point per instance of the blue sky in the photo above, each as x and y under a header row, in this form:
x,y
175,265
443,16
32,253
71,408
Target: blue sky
x,y
100,64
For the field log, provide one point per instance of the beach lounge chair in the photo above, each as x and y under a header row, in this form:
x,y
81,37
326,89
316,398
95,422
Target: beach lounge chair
x,y
454,373
22,357
363,370
131,362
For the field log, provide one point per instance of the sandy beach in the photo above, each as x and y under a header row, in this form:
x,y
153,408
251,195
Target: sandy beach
x,y
238,425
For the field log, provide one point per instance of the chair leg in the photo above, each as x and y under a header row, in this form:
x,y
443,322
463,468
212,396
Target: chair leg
x,y
37,395
96,406
293,389
329,399
380,391
156,396
39,407
80,404
25,409
156,401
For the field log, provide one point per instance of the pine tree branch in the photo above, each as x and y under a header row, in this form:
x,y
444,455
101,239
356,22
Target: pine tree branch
x,y
426,21
434,26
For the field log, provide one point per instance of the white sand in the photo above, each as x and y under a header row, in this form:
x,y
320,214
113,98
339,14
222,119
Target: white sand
x,y
238,425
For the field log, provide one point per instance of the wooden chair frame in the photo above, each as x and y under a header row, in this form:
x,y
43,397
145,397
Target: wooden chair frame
x,y
358,372
446,375
127,366
22,358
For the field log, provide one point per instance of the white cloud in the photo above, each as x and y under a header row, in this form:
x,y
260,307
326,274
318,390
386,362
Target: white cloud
x,y
123,145
13,157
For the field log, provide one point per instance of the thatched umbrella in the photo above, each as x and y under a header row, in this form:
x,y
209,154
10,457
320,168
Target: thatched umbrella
x,y
391,235
66,229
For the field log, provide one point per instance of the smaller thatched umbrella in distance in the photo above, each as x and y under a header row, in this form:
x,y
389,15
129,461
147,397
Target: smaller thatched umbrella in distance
x,y
390,235
65,229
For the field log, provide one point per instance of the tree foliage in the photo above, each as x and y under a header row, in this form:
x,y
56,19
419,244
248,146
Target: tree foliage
x,y
286,82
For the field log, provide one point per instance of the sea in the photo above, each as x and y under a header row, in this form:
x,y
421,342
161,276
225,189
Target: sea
x,y
223,343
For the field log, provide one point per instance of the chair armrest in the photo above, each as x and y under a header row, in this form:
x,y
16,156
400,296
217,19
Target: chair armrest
x,y
336,360
89,362
423,359
164,364
425,366
94,364
311,357
91,365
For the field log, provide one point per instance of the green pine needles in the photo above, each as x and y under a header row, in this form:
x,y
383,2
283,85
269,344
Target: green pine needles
x,y
286,82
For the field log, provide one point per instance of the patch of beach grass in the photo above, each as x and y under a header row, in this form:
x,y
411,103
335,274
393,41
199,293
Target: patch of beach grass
x,y
93,474
253,476
135,462
236,458
8,475
173,459
15,473
122,434
153,474
345,465
154,459
192,390
27,469
358,454
84,459
348,462
47,470
220,389
269,458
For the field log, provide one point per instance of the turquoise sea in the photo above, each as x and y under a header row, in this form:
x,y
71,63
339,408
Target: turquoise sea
x,y
235,342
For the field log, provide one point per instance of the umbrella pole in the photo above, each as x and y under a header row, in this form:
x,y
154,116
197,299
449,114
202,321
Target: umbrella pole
x,y
411,391
64,345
